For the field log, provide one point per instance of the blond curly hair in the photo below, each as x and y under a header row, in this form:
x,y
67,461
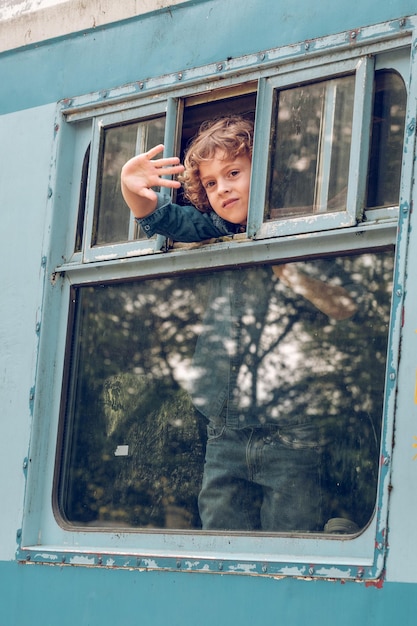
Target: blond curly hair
x,y
233,135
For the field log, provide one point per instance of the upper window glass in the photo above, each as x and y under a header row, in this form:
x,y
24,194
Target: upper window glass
x,y
388,124
312,130
112,222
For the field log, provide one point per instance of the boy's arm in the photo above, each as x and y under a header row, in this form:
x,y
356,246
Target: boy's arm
x,y
183,223
141,173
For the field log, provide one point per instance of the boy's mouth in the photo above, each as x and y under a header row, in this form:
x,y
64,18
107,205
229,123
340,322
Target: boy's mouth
x,y
226,203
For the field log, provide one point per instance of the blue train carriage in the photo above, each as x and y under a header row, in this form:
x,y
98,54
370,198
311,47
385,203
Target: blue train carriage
x,y
104,370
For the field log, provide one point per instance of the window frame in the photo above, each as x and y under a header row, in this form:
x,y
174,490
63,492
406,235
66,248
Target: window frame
x,y
41,538
131,247
363,69
169,99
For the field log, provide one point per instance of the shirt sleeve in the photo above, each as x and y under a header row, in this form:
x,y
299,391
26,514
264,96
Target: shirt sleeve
x,y
182,223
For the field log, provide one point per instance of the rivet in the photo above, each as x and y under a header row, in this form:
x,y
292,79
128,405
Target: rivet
x,y
411,127
141,85
306,46
38,327
386,460
25,463
19,533
179,75
220,566
392,376
264,568
178,564
360,572
63,559
353,34
43,261
399,292
219,67
262,56
311,570
402,22
99,560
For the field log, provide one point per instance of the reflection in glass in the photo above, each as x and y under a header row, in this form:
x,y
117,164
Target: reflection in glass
x,y
310,148
388,123
301,345
120,143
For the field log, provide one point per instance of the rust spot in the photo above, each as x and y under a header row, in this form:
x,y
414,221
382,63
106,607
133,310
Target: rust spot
x,y
353,34
375,583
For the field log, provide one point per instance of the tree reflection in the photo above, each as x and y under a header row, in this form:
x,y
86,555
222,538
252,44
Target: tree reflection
x,y
134,445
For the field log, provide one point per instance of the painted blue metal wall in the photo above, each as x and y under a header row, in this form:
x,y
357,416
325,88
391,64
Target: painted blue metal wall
x,y
32,80
45,595
194,34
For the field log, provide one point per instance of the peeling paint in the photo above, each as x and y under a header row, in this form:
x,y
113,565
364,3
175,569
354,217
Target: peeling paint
x,y
243,567
47,556
150,564
80,559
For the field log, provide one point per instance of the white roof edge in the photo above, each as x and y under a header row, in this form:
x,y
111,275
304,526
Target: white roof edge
x,y
27,23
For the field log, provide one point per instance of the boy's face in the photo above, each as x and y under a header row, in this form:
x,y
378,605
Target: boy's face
x,y
226,182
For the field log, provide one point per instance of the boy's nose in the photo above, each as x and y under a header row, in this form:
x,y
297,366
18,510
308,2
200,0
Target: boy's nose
x,y
223,186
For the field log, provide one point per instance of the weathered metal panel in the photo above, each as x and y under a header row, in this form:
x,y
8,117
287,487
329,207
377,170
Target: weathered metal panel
x,y
99,59
172,40
88,597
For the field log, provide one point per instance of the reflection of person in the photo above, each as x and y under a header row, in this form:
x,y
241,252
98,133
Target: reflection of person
x,y
259,474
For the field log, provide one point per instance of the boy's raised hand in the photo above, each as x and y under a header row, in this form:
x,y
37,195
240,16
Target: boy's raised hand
x,y
141,173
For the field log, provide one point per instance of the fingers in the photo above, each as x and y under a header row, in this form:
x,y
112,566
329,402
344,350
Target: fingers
x,y
168,170
170,184
145,171
154,151
173,162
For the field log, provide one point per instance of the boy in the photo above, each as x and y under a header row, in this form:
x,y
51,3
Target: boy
x,y
262,472
216,180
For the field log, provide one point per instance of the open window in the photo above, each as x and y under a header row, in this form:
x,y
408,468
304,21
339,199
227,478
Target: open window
x,y
326,151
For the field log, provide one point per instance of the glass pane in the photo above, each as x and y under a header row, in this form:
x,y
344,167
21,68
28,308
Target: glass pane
x,y
120,143
247,399
388,123
310,149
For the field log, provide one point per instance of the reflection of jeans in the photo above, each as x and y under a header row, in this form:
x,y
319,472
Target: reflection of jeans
x,y
261,479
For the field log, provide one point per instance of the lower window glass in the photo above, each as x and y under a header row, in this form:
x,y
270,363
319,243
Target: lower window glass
x,y
247,399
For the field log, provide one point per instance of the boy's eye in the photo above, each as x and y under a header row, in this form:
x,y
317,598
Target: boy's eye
x,y
234,172
209,184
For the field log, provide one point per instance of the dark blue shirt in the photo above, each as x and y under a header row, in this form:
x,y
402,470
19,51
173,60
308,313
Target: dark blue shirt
x,y
185,223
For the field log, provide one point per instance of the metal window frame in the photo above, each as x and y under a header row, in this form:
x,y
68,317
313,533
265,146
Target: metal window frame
x,y
132,247
164,95
363,69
